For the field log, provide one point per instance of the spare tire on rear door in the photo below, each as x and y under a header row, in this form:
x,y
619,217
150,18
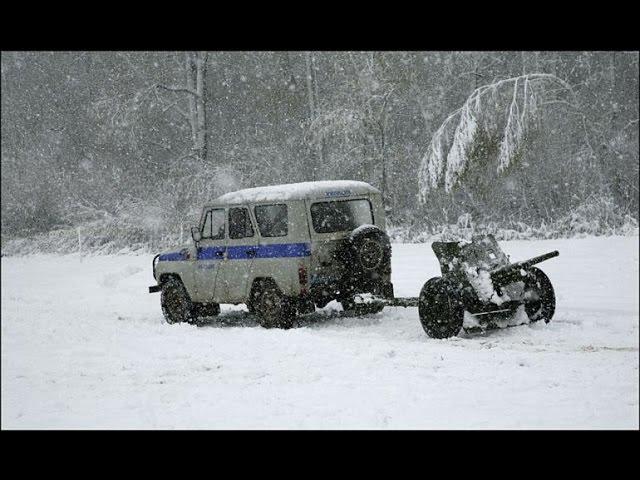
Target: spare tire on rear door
x,y
366,257
369,249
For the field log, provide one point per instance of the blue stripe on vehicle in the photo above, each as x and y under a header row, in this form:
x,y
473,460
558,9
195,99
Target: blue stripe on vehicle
x,y
285,249
211,253
245,252
274,250
241,252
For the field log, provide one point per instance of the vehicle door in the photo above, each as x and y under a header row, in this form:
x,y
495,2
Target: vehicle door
x,y
211,252
242,243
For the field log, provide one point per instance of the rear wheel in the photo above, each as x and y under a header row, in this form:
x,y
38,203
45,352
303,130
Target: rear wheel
x,y
274,309
441,314
176,304
540,298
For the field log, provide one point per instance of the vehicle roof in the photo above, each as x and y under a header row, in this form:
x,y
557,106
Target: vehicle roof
x,y
297,191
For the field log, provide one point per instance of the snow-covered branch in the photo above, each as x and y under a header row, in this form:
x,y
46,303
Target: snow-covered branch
x,y
509,107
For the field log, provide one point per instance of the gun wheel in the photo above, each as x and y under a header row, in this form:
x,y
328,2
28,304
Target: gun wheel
x,y
540,298
441,314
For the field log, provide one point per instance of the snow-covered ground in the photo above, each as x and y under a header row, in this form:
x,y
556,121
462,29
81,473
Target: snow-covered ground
x,y
85,346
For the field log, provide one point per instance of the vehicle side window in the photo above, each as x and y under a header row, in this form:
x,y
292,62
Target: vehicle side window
x,y
272,220
239,223
213,227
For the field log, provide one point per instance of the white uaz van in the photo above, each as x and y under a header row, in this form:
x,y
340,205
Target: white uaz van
x,y
281,250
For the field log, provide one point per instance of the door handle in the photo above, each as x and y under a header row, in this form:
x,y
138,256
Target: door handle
x,y
251,253
219,254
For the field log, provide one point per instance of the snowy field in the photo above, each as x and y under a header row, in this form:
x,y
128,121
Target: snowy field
x,y
85,346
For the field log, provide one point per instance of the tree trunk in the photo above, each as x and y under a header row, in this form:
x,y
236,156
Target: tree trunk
x,y
312,97
201,102
383,155
190,85
195,80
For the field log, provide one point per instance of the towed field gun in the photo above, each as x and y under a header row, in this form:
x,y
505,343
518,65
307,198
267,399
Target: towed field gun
x,y
478,278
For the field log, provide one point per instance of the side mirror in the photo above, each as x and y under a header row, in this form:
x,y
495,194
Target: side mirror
x,y
195,234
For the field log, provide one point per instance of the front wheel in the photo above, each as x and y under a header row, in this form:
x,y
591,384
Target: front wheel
x,y
441,314
175,302
540,298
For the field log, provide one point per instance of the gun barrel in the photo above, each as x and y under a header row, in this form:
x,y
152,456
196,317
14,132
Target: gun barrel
x,y
538,259
511,272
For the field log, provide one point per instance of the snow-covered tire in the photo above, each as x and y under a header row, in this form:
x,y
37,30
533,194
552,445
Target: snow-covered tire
x,y
441,313
273,308
543,306
175,302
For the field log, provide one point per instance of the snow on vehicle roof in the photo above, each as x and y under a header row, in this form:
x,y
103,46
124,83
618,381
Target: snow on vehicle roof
x,y
298,191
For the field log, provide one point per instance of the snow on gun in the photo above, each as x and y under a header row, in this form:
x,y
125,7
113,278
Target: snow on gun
x,y
477,278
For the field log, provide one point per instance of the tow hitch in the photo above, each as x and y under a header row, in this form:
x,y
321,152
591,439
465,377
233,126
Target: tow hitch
x,y
389,302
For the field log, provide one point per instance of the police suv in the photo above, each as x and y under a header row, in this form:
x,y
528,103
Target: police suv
x,y
282,250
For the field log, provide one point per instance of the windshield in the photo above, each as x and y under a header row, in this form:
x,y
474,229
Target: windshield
x,y
340,216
